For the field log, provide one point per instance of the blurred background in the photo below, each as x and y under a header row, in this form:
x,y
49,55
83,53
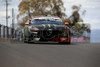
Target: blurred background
x,y
81,14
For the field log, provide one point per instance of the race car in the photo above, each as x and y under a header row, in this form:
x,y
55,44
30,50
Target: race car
x,y
47,29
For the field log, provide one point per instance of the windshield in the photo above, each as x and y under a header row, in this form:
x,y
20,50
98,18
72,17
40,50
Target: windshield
x,y
44,21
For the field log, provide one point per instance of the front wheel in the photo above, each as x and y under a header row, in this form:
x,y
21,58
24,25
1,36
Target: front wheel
x,y
27,39
68,41
64,42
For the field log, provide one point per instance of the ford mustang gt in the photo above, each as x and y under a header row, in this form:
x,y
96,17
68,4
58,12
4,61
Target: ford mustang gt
x,y
46,29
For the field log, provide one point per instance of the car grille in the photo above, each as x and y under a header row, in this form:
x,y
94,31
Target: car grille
x,y
48,35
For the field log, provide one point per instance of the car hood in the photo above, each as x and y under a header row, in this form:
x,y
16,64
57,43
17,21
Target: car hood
x,y
49,26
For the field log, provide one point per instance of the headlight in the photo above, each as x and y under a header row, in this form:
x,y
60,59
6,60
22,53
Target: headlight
x,y
33,29
65,31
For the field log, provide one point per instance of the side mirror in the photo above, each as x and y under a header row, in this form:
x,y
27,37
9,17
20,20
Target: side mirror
x,y
27,23
66,23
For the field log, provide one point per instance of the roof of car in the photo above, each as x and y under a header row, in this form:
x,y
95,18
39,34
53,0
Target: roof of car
x,y
46,17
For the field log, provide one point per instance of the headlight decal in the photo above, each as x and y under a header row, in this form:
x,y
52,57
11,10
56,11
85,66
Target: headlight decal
x,y
49,25
54,25
44,25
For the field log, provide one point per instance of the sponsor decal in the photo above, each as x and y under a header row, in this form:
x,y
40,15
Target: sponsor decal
x,y
48,18
72,39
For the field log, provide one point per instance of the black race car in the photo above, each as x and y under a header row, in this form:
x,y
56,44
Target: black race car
x,y
46,29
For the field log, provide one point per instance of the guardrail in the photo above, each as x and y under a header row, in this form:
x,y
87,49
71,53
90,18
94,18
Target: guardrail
x,y
12,33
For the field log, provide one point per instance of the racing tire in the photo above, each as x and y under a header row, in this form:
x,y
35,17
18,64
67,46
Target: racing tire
x,y
64,42
68,41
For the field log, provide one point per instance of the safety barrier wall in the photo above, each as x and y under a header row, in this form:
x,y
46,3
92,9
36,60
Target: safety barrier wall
x,y
11,33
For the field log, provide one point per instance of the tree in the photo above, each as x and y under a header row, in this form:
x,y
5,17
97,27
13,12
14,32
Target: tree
x,y
40,8
57,8
75,19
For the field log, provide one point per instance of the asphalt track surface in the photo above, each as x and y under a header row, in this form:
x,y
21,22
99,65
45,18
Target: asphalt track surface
x,y
19,54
